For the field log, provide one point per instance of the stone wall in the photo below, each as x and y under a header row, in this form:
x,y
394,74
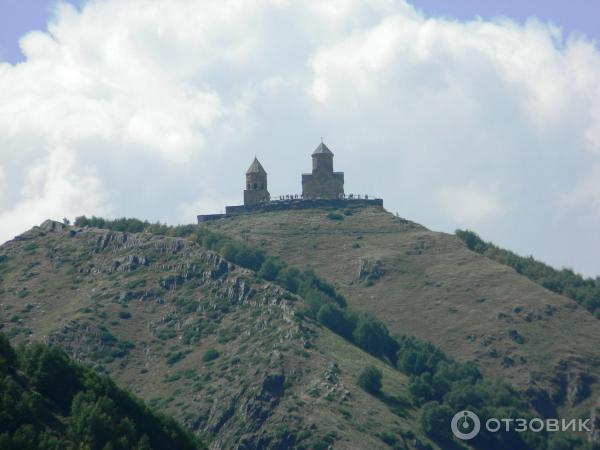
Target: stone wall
x,y
322,184
295,204
206,217
256,196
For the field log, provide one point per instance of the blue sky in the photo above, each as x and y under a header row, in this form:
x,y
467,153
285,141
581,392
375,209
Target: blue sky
x,y
456,117
17,17
579,16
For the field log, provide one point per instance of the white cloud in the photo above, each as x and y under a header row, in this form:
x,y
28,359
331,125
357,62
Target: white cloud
x,y
155,109
469,205
585,195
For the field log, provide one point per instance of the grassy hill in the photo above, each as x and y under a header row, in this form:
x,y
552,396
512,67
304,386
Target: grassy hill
x,y
212,344
430,285
267,356
585,291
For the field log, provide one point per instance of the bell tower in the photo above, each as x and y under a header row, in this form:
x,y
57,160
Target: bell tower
x,y
322,159
256,184
323,182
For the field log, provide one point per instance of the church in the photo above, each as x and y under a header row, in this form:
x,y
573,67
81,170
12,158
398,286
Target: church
x,y
323,182
322,187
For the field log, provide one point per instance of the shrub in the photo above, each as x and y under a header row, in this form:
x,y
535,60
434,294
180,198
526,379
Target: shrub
x,y
335,216
373,337
242,255
166,334
124,315
210,355
8,356
270,268
435,421
421,389
416,357
172,358
389,438
337,320
370,380
289,278
562,442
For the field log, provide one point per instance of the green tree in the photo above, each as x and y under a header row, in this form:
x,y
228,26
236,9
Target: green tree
x,y
370,380
47,402
270,268
289,278
435,421
374,337
337,320
8,357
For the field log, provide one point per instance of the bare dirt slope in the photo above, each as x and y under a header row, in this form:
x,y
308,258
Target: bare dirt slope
x,y
428,284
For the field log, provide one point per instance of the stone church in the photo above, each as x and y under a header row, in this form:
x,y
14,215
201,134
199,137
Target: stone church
x,y
256,184
322,183
322,187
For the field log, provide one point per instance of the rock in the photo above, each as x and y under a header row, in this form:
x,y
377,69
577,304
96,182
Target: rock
x,y
273,385
595,416
549,310
578,387
572,385
369,270
504,316
541,402
128,263
52,225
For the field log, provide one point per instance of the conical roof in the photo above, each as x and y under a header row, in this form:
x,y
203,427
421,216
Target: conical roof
x,y
322,149
255,167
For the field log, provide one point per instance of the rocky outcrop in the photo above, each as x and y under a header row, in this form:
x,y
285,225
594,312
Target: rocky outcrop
x,y
370,271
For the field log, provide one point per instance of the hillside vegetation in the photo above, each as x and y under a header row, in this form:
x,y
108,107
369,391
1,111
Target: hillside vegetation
x,y
48,402
436,380
227,328
585,291
232,356
430,285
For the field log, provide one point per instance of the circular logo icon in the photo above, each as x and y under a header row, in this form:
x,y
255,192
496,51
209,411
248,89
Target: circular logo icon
x,y
465,425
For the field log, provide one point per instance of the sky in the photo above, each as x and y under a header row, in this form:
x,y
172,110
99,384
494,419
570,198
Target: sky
x,y
463,114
